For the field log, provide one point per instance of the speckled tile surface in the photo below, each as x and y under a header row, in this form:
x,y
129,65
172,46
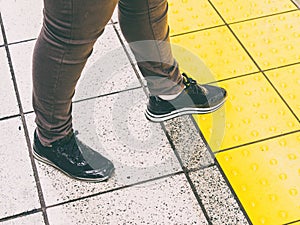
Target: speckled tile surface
x,y
18,191
116,126
188,143
22,20
34,219
1,38
22,63
148,203
218,201
9,105
108,69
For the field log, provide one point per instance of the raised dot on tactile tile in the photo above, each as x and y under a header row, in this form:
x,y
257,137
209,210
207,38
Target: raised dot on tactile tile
x,y
273,162
273,197
246,121
240,82
227,157
292,156
291,124
283,85
273,129
255,133
262,220
244,187
282,176
273,100
236,138
283,214
253,204
264,116
281,112
246,153
239,108
264,148
254,167
282,142
264,182
234,173
248,93
293,192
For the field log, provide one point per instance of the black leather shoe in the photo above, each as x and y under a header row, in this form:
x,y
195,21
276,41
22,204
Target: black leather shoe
x,y
74,158
194,99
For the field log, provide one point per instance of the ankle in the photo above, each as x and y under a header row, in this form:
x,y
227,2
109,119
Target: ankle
x,y
171,97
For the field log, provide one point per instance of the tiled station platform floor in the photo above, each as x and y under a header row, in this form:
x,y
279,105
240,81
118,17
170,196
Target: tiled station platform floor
x,y
239,165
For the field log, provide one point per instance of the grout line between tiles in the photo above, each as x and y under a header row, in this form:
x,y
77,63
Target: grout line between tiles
x,y
186,173
9,117
105,95
116,189
296,3
23,214
256,64
252,73
222,173
35,173
232,23
257,141
293,222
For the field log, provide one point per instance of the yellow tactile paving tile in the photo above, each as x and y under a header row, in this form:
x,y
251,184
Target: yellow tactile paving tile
x,y
253,111
189,15
238,10
287,82
219,50
272,41
266,178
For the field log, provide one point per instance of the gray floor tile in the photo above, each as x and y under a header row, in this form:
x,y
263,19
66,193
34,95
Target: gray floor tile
x,y
116,126
18,191
188,143
22,20
9,105
108,69
34,219
166,201
218,201
1,37
297,2
21,55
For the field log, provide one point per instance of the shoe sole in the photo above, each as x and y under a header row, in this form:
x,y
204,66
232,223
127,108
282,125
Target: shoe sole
x,y
48,162
180,112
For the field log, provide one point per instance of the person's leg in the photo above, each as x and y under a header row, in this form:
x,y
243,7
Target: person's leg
x,y
172,94
145,27
66,40
69,32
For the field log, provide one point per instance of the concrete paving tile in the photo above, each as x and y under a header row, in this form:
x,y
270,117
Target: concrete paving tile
x,y
9,105
106,71
21,55
1,37
115,126
165,201
34,219
218,201
22,20
18,191
188,143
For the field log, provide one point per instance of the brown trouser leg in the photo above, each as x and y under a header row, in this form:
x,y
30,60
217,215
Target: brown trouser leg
x,y
69,32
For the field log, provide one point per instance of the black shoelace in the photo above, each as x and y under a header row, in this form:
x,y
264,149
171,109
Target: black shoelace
x,y
192,85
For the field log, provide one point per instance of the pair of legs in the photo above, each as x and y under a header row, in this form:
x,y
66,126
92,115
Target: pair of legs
x,y
69,32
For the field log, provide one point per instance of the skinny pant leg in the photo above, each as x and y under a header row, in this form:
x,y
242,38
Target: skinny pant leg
x,y
145,26
70,29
